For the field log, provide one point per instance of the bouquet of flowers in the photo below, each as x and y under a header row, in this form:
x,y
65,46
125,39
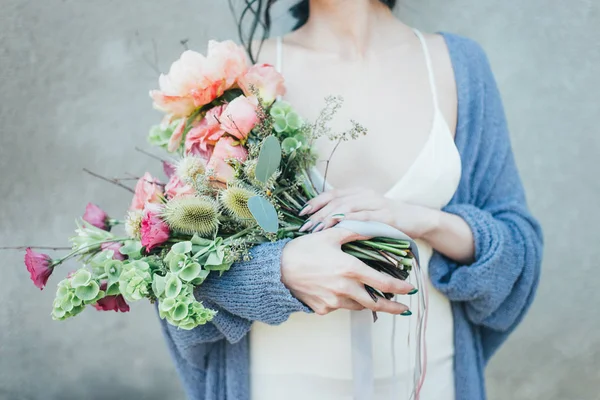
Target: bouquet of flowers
x,y
241,169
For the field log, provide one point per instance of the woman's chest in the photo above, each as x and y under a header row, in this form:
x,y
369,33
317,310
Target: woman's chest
x,y
396,110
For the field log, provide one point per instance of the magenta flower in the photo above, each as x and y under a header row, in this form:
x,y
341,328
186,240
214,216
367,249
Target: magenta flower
x,y
114,246
39,267
111,303
154,231
96,216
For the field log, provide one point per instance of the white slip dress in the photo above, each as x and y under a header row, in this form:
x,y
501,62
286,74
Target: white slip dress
x,y
310,357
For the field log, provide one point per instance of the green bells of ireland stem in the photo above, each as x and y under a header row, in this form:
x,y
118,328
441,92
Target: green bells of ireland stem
x,y
75,293
135,280
182,310
88,235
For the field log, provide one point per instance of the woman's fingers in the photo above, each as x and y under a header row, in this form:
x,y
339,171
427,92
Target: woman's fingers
x,y
361,272
360,295
339,208
324,198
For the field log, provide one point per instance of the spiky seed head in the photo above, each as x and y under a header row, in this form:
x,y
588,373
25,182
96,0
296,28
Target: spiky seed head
x,y
189,168
133,223
191,215
235,200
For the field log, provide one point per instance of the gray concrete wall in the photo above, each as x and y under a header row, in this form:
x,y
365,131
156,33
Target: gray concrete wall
x,y
74,77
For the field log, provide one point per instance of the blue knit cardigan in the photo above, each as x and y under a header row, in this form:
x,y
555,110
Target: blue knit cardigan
x,y
489,297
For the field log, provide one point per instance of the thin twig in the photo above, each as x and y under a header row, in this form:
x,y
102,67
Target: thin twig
x,y
152,64
113,181
327,165
150,155
34,247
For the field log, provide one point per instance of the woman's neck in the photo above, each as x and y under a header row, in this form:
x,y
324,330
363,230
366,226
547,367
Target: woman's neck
x,y
349,27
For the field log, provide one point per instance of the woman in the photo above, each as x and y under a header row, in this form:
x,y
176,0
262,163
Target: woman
x,y
436,164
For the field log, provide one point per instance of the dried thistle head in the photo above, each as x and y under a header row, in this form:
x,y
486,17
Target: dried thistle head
x,y
235,201
190,168
192,215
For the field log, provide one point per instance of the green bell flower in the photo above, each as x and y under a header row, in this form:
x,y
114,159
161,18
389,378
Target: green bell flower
x,y
88,236
74,293
184,311
135,280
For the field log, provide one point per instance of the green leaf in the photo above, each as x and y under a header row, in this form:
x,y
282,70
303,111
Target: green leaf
x,y
81,278
132,249
182,247
280,124
264,213
172,286
190,271
293,120
232,94
268,159
113,289
300,138
89,292
289,145
158,285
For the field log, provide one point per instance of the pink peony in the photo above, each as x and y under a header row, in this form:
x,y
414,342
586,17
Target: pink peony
x,y
225,149
154,231
239,117
114,246
176,137
199,139
177,188
266,80
111,303
147,190
39,267
95,216
229,58
169,169
192,82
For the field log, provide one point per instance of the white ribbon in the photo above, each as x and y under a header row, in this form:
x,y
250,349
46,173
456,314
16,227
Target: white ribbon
x,y
361,321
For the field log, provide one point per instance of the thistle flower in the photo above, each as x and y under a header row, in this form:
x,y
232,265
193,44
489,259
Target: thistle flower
x,y
235,200
39,267
133,223
189,168
191,215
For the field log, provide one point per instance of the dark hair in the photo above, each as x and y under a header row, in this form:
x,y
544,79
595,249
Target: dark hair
x,y
253,10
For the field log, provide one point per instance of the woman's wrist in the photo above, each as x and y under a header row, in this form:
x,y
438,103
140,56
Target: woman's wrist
x,y
431,223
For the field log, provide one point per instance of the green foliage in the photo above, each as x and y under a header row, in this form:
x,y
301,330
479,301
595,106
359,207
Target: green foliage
x,y
74,293
264,213
268,159
135,280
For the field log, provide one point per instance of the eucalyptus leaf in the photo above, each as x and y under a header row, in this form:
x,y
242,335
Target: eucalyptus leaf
x,y
269,159
264,213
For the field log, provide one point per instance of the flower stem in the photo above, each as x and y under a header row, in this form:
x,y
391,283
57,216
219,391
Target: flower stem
x,y
88,247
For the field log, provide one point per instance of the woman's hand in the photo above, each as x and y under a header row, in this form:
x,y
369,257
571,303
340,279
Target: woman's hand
x,y
358,204
322,276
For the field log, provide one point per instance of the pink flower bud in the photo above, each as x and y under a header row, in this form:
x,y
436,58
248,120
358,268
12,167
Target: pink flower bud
x,y
95,216
39,267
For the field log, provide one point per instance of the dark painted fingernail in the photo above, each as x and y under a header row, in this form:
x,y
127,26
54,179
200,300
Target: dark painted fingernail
x,y
318,227
338,216
406,313
305,210
415,290
306,226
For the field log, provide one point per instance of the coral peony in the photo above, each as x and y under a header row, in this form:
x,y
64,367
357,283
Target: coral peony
x,y
229,58
96,216
115,247
177,188
147,190
266,81
224,150
239,117
39,267
192,82
111,303
154,231
205,134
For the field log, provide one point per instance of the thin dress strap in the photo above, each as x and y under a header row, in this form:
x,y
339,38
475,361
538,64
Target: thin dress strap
x,y
279,62
429,67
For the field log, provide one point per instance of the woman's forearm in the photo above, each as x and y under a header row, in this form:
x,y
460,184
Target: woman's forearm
x,y
451,236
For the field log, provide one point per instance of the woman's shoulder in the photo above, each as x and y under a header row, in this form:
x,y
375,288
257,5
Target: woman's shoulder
x,y
469,60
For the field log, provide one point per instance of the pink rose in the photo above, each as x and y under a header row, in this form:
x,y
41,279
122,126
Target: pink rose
x,y
147,190
175,139
266,80
39,267
205,134
111,303
177,188
169,169
154,231
224,150
228,58
95,216
114,246
239,117
192,82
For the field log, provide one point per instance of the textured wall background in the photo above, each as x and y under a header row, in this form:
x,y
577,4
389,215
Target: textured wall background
x,y
74,77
